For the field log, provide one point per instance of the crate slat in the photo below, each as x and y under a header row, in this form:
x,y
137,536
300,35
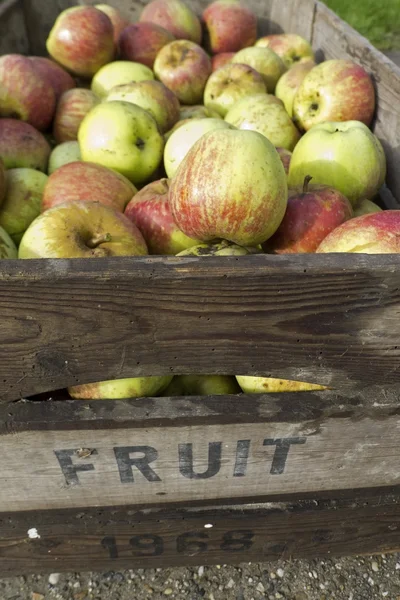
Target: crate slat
x,y
13,34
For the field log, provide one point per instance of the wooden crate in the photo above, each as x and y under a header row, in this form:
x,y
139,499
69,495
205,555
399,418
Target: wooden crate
x,y
182,481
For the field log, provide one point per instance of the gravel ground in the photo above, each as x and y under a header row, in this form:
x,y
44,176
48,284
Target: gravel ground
x,y
363,578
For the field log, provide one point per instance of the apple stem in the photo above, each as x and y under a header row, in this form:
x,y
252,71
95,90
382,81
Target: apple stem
x,y
307,180
98,239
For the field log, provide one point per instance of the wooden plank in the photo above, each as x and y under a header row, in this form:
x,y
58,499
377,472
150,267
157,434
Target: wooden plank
x,y
112,538
296,16
13,35
73,321
39,17
174,451
336,39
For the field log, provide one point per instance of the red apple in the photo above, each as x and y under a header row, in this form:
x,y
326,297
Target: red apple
x,y
292,48
150,212
117,20
184,68
221,59
71,109
374,233
82,40
310,216
24,93
87,182
286,157
58,78
21,145
230,26
174,16
141,42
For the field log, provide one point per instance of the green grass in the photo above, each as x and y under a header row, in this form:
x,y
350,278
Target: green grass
x,y
378,20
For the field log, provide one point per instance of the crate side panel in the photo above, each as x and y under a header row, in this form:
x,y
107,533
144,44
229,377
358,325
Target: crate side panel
x,y
13,34
40,16
296,16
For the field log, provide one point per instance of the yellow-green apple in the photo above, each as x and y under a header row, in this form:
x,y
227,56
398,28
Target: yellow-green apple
x,y
202,385
87,182
71,108
3,182
365,207
231,185
118,73
82,40
81,230
25,93
222,248
184,68
124,137
21,145
198,111
180,142
63,154
373,233
289,83
230,26
59,79
22,202
335,90
286,157
141,42
229,84
117,389
265,62
175,17
292,48
221,59
7,247
271,385
267,115
311,214
119,23
346,156
154,97
150,212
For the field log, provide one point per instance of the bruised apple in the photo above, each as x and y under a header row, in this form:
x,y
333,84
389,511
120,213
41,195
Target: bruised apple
x,y
265,385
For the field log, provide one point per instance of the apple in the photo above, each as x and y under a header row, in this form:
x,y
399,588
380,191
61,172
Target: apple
x,y
230,26
175,17
222,248
82,40
124,137
311,214
141,42
150,212
63,154
119,72
21,145
335,90
197,112
366,207
154,97
117,389
57,77
346,156
265,62
229,84
184,68
87,182
271,385
117,20
71,108
290,47
180,142
266,114
202,385
289,83
221,59
25,92
231,185
3,182
374,233
286,157
81,230
22,201
7,247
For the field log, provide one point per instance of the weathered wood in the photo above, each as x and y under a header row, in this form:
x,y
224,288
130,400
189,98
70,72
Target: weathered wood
x,y
296,16
13,35
39,18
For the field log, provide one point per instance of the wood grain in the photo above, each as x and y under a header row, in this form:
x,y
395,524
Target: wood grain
x,y
13,35
296,16
39,18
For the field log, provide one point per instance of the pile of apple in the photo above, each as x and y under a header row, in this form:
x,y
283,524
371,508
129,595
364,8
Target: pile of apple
x,y
133,138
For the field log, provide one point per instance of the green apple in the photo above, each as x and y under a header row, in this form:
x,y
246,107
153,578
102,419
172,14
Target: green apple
x,y
23,201
180,142
365,207
344,155
270,385
289,83
198,111
290,47
116,389
202,385
270,66
119,72
63,154
124,137
266,114
7,247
